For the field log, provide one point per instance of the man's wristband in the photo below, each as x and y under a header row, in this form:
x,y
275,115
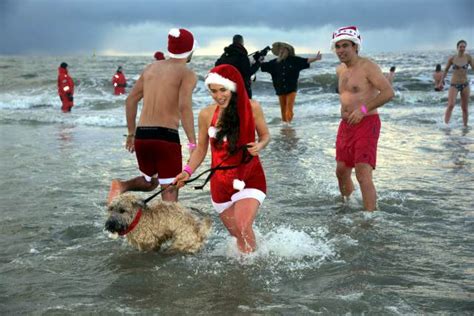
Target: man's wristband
x,y
363,109
191,145
188,170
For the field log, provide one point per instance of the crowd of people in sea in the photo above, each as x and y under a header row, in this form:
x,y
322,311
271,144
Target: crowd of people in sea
x,y
234,125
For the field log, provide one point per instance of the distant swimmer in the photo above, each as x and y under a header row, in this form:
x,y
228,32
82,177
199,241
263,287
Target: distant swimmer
x,y
459,82
285,71
363,88
166,88
229,125
391,75
159,55
65,88
119,81
438,77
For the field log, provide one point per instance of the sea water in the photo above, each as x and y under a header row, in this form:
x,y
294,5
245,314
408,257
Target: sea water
x,y
316,254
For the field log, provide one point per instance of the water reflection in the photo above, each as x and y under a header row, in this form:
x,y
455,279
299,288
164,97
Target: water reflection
x,y
65,136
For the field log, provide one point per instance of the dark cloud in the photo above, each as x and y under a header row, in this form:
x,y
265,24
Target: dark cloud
x,y
32,26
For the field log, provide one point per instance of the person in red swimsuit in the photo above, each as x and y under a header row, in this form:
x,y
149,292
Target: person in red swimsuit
x,y
229,125
362,89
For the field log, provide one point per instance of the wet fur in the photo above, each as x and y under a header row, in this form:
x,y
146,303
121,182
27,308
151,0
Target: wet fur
x,y
159,223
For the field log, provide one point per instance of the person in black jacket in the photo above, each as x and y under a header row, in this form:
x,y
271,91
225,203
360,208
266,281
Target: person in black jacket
x,y
285,71
237,56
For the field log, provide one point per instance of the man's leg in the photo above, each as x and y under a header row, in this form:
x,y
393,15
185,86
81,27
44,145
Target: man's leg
x,y
290,103
136,184
343,173
367,188
282,99
170,194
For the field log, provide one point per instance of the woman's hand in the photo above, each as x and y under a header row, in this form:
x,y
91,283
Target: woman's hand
x,y
181,179
254,148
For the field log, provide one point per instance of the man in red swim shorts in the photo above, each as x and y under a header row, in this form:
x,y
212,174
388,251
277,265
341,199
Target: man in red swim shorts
x,y
166,89
363,88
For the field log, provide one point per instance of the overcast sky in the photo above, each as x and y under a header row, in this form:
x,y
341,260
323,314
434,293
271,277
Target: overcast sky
x,y
140,27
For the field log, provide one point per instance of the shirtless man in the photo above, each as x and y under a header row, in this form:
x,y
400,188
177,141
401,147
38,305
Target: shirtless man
x,y
363,88
166,89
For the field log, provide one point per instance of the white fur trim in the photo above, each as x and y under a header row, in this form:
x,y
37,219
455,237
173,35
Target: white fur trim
x,y
174,32
353,39
165,180
249,193
184,55
215,78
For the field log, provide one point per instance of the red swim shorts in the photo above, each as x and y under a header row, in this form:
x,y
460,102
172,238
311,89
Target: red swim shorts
x,y
158,153
358,143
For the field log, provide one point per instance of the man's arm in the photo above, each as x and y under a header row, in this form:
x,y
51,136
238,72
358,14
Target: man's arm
x,y
378,80
313,59
131,106
186,105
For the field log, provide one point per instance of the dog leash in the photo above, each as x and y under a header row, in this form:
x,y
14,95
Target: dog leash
x,y
246,158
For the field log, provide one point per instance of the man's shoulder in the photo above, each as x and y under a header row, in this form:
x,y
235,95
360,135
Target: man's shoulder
x,y
368,65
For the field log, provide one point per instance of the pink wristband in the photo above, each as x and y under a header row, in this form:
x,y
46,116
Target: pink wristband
x,y
363,109
191,145
188,170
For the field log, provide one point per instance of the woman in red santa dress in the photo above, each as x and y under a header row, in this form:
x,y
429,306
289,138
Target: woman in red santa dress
x,y
229,125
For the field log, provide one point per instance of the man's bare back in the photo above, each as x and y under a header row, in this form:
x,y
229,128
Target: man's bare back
x,y
165,86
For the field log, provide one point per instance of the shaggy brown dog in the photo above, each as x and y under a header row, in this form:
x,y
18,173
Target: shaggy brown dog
x,y
159,222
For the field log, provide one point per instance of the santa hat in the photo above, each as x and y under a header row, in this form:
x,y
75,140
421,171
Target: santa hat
x,y
159,56
349,33
181,43
229,77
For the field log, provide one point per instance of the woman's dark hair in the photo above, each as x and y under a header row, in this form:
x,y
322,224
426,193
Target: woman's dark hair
x,y
438,67
460,42
228,125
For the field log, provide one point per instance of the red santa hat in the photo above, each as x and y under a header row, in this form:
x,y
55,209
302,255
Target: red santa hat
x,y
349,33
229,77
159,56
181,43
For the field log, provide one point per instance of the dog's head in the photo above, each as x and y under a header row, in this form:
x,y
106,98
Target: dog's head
x,y
122,211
